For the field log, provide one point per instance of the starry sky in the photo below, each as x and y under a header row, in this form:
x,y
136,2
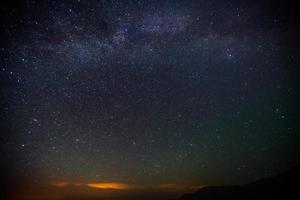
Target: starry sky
x,y
147,95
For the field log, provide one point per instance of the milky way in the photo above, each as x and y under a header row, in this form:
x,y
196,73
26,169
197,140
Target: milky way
x,y
148,92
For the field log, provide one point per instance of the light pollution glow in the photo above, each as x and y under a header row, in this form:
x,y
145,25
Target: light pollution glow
x,y
115,186
124,186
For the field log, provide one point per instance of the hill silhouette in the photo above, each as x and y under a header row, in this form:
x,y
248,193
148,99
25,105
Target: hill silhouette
x,y
282,186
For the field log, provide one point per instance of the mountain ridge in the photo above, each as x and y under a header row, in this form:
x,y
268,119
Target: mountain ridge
x,y
282,186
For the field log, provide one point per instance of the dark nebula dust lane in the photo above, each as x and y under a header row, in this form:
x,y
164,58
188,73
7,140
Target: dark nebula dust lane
x,y
140,98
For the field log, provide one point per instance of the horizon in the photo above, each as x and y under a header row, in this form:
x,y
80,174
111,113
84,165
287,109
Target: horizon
x,y
97,191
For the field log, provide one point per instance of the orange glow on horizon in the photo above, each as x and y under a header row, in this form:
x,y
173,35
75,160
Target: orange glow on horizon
x,y
125,186
115,186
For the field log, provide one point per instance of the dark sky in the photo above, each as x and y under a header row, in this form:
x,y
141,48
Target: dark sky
x,y
148,95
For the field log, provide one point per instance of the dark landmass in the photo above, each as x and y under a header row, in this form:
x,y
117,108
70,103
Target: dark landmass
x,y
283,186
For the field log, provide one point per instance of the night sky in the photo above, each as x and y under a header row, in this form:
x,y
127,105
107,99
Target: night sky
x,y
143,96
